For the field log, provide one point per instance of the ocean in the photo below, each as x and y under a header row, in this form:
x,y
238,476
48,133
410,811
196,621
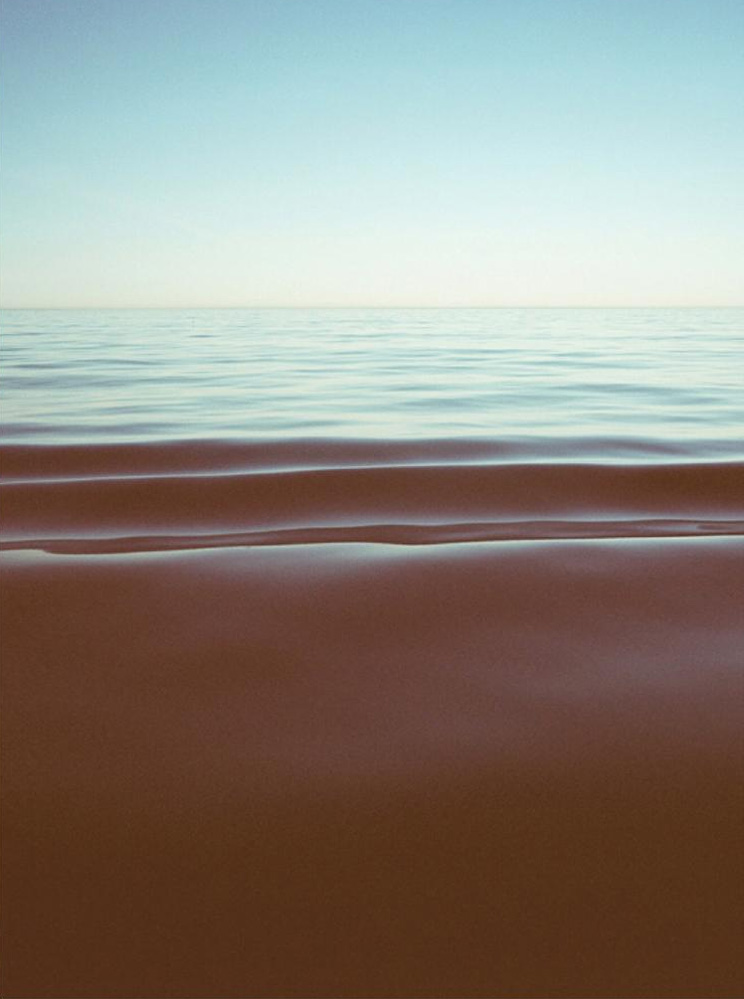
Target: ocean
x,y
373,652
640,380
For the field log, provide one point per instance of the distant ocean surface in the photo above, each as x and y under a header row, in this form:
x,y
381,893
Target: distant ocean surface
x,y
373,653
645,381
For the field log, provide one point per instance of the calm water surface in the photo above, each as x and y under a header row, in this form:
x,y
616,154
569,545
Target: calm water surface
x,y
372,653
656,376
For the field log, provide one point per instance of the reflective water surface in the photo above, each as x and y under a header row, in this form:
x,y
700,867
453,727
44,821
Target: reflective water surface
x,y
652,375
373,653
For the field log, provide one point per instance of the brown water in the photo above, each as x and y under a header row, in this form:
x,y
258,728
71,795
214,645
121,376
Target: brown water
x,y
355,716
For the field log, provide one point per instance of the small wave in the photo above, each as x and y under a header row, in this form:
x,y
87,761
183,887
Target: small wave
x,y
387,534
20,461
403,494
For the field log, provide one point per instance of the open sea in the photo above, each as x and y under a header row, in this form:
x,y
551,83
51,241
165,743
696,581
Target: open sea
x,y
373,653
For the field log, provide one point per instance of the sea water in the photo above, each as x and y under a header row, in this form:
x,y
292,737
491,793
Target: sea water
x,y
373,653
666,377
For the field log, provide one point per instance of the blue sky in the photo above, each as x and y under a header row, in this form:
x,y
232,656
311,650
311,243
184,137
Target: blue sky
x,y
372,152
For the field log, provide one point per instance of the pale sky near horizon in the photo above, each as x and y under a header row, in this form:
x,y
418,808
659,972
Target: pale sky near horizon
x,y
372,152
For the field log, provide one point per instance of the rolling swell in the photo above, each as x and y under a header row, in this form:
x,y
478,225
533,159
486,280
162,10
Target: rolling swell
x,y
190,495
174,457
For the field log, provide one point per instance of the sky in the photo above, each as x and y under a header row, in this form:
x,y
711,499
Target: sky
x,y
187,153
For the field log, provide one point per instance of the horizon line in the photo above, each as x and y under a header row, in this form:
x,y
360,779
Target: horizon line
x,y
197,308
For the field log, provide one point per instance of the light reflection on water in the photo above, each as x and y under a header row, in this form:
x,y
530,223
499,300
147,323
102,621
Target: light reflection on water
x,y
660,375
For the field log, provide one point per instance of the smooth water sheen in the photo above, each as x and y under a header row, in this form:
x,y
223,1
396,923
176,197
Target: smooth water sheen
x,y
373,653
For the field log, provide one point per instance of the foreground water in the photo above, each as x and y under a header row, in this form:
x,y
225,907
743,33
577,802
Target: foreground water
x,y
373,653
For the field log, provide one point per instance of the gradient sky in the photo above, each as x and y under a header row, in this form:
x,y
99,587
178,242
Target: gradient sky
x,y
372,152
